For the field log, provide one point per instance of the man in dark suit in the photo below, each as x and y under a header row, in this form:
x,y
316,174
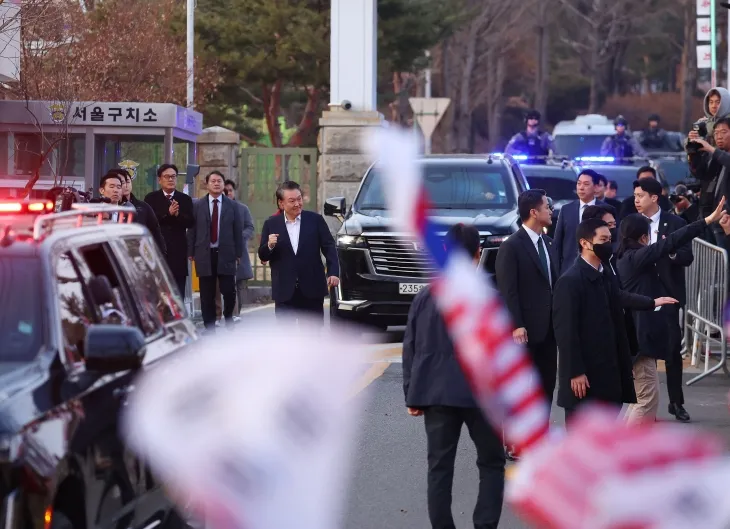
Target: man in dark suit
x,y
435,387
594,358
571,215
671,274
292,243
629,208
174,211
215,243
145,215
526,272
602,190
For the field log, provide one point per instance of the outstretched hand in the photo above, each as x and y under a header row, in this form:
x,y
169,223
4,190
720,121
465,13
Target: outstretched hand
x,y
717,214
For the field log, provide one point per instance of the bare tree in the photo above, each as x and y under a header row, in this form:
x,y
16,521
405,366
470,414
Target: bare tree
x,y
689,63
544,14
594,29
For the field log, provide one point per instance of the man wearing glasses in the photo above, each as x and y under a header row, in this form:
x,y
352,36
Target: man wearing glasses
x,y
174,211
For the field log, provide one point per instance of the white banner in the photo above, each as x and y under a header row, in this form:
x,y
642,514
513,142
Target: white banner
x,y
704,29
703,8
253,430
704,56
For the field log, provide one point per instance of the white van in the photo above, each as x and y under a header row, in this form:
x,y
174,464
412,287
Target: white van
x,y
582,136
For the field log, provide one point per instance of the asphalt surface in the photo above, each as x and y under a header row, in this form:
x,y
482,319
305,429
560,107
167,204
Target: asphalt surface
x,y
388,485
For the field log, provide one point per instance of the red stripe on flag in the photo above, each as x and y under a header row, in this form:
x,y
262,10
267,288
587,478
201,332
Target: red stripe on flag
x,y
455,313
421,211
523,363
536,395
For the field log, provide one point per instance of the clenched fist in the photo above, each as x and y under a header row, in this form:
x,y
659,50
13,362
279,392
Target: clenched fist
x,y
273,238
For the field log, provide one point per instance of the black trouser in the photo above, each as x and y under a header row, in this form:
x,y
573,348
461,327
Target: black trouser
x,y
443,429
208,284
673,361
313,307
545,357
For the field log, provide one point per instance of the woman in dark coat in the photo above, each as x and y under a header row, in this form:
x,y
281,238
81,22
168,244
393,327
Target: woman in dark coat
x,y
636,266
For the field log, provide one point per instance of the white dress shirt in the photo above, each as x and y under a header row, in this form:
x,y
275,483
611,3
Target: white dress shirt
x,y
583,206
654,233
293,227
220,210
534,237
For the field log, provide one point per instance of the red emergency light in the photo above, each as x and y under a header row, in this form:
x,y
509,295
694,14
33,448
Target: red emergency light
x,y
30,207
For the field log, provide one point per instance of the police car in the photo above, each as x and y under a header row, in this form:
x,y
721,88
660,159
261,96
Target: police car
x,y
87,302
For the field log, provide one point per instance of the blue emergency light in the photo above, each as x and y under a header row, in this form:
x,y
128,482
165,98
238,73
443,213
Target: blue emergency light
x,y
520,157
605,159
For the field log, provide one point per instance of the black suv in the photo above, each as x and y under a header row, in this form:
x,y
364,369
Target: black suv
x,y
381,270
87,304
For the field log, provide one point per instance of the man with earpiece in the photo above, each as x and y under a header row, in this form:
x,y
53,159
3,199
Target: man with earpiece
x,y
532,141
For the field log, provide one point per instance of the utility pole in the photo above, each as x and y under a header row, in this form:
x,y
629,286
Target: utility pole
x,y
190,52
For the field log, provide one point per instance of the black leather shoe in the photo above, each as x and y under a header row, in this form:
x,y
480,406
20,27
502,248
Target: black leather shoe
x,y
679,412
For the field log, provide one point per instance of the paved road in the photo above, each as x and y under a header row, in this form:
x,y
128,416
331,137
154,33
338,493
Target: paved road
x,y
388,487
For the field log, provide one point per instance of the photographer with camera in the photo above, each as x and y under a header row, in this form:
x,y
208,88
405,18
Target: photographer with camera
x,y
685,203
709,164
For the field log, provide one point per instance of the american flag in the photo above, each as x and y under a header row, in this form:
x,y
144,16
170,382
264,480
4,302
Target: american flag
x,y
503,379
608,475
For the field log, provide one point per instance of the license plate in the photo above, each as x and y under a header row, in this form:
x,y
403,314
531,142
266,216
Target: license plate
x,y
410,288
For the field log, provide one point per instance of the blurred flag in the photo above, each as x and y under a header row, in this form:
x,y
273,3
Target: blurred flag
x,y
606,474
501,373
255,424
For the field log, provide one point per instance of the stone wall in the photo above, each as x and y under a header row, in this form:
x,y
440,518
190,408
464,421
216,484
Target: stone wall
x,y
218,150
342,163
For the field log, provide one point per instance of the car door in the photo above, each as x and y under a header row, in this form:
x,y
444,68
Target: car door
x,y
161,307
94,442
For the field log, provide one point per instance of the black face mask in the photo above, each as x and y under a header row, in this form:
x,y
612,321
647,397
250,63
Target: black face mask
x,y
603,251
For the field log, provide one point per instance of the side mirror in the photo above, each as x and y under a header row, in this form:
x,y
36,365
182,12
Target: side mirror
x,y
334,207
113,348
101,290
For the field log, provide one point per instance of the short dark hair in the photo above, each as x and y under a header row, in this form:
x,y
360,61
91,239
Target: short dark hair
x,y
121,172
164,167
529,200
111,174
613,184
646,169
594,176
587,230
217,173
722,121
464,237
230,182
598,211
602,179
287,185
633,228
649,185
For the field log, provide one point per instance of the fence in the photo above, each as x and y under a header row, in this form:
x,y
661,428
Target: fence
x,y
707,286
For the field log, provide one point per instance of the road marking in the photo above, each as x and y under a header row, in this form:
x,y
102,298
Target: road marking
x,y
255,309
380,359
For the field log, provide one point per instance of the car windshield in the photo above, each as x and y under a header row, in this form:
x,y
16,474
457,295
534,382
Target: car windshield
x,y
450,186
558,183
675,171
624,175
575,145
21,323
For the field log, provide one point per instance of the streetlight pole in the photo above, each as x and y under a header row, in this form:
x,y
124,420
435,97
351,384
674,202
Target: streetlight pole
x,y
713,43
726,5
190,51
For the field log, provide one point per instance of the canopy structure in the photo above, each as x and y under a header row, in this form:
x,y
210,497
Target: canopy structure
x,y
75,144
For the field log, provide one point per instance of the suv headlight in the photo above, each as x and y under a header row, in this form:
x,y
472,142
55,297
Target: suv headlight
x,y
351,241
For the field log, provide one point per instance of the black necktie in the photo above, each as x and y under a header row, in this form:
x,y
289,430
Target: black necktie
x,y
543,256
214,223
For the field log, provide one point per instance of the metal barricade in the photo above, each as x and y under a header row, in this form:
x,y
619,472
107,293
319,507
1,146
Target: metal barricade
x,y
707,285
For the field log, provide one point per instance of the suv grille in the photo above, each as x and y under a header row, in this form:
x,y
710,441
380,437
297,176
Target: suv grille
x,y
398,256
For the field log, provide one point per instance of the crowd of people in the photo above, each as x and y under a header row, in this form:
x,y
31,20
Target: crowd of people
x,y
596,308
